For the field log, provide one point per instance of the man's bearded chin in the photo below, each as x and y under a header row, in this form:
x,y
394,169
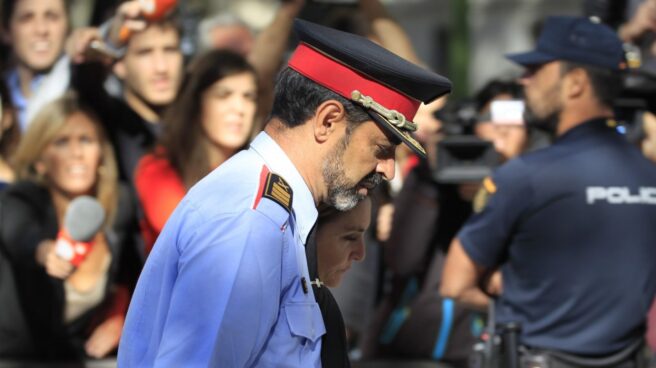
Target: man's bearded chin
x,y
342,194
548,123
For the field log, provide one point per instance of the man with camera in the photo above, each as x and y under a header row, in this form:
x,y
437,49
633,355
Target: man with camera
x,y
569,228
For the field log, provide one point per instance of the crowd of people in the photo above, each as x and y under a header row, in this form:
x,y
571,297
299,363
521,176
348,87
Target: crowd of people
x,y
265,211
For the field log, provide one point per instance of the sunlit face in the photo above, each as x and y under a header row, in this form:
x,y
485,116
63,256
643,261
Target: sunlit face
x,y
357,164
228,110
509,139
37,31
152,66
340,242
542,89
70,161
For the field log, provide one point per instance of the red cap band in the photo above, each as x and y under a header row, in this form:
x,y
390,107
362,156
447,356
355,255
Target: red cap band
x,y
339,78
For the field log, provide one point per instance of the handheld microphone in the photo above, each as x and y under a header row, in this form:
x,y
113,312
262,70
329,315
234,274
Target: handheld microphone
x,y
83,219
152,11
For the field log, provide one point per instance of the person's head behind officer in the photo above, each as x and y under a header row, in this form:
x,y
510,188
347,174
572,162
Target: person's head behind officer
x,y
349,102
151,69
573,75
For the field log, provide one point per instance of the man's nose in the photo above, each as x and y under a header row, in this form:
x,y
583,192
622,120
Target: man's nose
x,y
41,25
386,167
160,62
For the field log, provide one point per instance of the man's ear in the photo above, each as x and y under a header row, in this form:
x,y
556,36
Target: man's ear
x,y
119,69
576,83
329,118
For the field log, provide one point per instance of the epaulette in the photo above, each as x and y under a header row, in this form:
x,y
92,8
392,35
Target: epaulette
x,y
275,188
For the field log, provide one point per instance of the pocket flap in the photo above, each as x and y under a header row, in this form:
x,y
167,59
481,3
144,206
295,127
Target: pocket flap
x,y
305,320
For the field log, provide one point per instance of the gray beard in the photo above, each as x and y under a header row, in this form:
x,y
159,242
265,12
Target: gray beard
x,y
342,194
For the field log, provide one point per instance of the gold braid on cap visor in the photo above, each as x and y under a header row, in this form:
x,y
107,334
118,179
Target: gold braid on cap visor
x,y
394,117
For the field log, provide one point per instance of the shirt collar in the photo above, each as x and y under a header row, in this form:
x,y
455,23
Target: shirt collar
x,y
17,98
278,162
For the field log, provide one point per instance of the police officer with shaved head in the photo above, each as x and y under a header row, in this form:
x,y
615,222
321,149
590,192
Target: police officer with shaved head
x,y
227,282
568,233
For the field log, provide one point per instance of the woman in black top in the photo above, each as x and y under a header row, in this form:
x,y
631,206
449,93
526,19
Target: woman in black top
x,y
71,312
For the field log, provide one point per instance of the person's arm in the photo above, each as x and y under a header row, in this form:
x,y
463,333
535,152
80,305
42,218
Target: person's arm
x,y
226,296
105,337
271,42
462,278
481,246
268,50
390,34
159,190
643,21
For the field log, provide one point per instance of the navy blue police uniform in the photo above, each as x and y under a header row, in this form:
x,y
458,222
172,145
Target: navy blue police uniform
x,y
572,227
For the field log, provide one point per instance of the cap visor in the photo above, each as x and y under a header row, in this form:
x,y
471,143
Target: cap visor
x,y
530,58
405,137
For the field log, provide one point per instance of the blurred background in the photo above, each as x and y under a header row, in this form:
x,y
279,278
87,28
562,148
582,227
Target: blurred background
x,y
464,39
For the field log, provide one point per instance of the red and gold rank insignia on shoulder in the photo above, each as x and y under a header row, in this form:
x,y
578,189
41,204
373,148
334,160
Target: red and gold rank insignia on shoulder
x,y
275,188
488,188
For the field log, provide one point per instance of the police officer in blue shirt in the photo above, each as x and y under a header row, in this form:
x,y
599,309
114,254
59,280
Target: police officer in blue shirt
x,y
227,284
572,227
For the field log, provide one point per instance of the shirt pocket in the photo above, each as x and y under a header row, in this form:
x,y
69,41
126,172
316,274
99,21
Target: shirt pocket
x,y
305,323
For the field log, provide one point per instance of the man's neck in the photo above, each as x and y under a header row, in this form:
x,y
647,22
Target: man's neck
x,y
579,114
143,109
291,142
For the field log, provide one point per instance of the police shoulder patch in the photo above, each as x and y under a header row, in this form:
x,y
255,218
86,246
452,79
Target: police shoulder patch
x,y
275,188
483,195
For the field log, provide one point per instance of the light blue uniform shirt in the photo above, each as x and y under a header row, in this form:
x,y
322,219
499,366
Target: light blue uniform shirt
x,y
222,286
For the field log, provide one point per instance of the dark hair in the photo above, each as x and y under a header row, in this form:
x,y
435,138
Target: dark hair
x,y
495,88
8,138
8,7
296,99
606,83
182,131
171,21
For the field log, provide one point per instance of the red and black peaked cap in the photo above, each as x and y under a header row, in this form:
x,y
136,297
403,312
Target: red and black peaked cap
x,y
388,86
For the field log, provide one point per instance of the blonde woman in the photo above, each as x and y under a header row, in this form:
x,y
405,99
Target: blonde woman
x,y
72,312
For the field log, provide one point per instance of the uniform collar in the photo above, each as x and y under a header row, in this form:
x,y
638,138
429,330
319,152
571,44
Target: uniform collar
x,y
583,129
278,162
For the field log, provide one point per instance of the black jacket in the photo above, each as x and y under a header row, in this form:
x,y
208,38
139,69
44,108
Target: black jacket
x,y
27,217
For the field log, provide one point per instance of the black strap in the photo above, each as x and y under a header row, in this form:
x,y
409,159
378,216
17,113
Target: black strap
x,y
334,346
606,361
